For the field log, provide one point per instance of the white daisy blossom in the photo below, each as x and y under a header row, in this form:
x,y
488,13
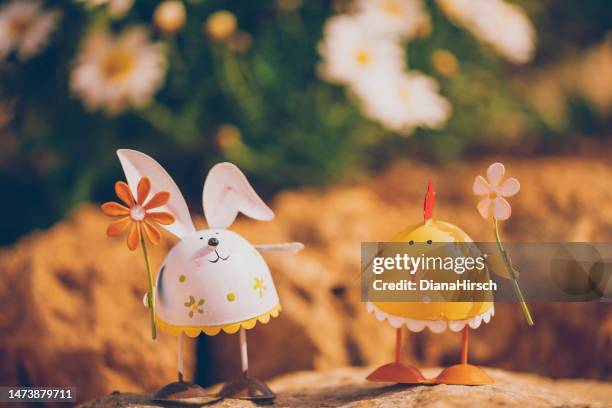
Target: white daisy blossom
x,y
458,11
502,25
507,28
350,51
25,28
114,73
116,8
404,18
364,51
403,101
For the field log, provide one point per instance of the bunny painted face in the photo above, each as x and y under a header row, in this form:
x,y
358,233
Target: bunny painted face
x,y
212,279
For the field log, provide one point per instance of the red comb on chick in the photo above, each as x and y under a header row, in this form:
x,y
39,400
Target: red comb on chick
x,y
430,201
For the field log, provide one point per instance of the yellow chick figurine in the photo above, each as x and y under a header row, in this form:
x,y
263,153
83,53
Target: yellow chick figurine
x,y
435,315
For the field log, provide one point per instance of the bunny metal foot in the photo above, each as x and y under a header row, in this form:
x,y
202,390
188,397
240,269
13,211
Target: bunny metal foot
x,y
245,387
248,388
183,392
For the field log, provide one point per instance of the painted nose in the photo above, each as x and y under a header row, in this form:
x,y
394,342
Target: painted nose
x,y
213,242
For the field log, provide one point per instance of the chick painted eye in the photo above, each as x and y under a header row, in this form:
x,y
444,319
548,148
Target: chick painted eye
x,y
411,242
429,241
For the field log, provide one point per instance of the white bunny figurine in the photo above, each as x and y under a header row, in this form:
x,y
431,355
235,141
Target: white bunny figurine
x,y
212,279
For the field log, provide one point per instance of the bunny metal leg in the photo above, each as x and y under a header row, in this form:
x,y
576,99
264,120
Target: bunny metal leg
x,y
245,387
180,358
182,392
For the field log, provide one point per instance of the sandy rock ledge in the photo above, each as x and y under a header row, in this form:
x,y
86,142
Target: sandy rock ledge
x,y
346,387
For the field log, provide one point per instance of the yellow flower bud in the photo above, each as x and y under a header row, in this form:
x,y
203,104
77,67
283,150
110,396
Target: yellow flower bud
x,y
240,41
445,62
170,16
221,24
288,5
228,137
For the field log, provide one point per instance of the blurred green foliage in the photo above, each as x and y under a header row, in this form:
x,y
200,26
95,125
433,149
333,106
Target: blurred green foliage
x,y
283,125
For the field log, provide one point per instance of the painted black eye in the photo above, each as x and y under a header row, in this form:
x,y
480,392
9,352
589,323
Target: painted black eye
x,y
429,241
201,237
410,242
213,242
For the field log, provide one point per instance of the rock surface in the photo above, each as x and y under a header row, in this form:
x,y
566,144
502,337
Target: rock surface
x,y
346,387
72,312
71,298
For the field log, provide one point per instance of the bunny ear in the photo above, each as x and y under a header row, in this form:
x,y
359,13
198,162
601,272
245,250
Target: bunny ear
x,y
226,192
137,165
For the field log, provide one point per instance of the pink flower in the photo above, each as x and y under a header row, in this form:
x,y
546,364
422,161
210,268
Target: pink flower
x,y
493,190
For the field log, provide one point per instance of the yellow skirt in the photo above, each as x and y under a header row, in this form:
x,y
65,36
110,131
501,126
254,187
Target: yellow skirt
x,y
194,331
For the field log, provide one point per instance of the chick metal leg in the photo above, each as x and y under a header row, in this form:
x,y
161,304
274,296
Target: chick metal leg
x,y
463,373
396,372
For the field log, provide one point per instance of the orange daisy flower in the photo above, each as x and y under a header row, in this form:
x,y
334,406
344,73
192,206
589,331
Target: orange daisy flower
x,y
137,214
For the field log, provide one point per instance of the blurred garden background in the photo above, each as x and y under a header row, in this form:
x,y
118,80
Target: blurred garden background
x,y
338,112
295,92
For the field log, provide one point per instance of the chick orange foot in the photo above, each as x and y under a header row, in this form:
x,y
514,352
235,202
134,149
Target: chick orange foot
x,y
463,374
397,373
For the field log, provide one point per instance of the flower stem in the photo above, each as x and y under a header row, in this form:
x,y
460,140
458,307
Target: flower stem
x,y
150,300
510,268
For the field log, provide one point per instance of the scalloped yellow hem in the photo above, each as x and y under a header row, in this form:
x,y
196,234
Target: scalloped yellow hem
x,y
194,331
